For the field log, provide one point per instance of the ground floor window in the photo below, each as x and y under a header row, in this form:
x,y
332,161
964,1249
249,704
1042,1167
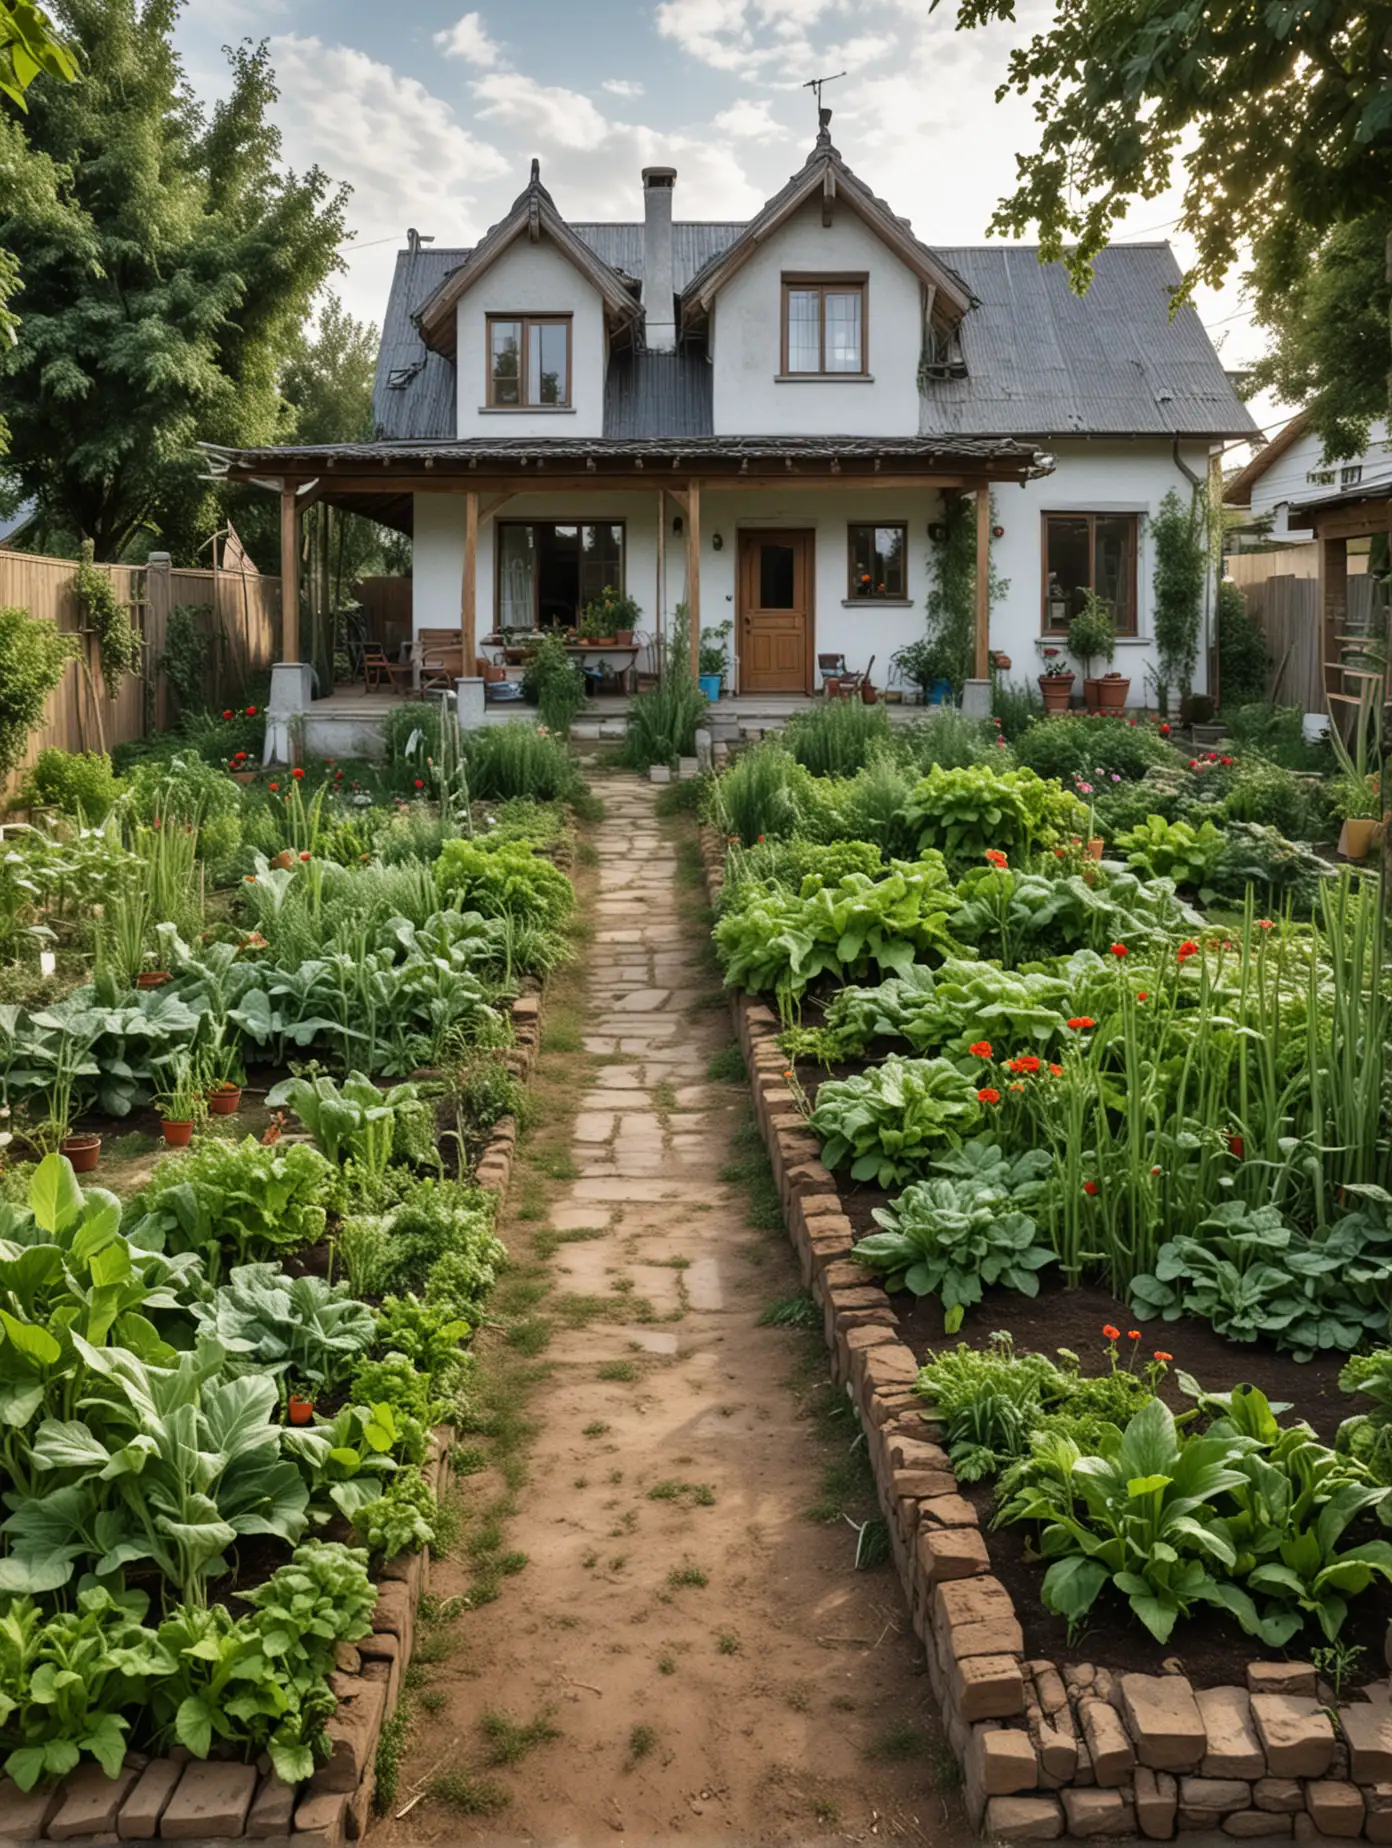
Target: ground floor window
x,y
1089,551
547,571
877,561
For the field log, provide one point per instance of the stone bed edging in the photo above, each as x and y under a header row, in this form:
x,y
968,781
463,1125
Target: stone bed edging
x,y
182,1798
1047,1750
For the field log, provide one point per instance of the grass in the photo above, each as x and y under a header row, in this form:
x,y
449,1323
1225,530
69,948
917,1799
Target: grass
x,y
689,1494
596,1428
750,1170
897,1744
510,1740
530,1336
681,1576
727,1644
621,1370
792,1312
469,1795
726,1066
666,1665
641,1741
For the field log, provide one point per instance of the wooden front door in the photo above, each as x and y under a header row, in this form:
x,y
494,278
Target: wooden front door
x,y
775,612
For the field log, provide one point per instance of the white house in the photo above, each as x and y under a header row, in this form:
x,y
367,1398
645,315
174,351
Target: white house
x,y
767,421
1290,472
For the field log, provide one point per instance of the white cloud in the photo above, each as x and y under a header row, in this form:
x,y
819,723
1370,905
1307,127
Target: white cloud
x,y
552,115
748,120
468,38
621,86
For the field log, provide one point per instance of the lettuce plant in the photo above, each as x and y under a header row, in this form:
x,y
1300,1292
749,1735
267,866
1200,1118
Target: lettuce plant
x,y
302,1327
887,1124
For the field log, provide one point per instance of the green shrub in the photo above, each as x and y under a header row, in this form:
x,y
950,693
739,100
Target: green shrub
x,y
836,737
33,655
449,1224
662,722
967,813
1018,705
506,880
953,740
757,797
81,783
189,790
554,683
517,759
1075,744
234,1202
1266,792
1278,732
1243,663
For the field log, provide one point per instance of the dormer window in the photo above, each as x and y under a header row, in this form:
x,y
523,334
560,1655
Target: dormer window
x,y
824,326
528,362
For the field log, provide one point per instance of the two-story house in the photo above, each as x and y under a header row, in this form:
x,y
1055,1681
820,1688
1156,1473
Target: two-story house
x,y
1290,472
767,421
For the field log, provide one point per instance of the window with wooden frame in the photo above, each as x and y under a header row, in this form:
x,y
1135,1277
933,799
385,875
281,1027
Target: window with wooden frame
x,y
875,556
824,326
1089,551
528,362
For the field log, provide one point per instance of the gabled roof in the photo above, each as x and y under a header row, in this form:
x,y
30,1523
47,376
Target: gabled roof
x,y
1238,492
826,176
533,216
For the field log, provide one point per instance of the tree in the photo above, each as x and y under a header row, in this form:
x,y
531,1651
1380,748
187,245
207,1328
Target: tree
x,y
29,48
1278,111
167,266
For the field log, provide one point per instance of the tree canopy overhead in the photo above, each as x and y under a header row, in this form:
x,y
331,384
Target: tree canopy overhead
x,y
29,48
167,264
1278,114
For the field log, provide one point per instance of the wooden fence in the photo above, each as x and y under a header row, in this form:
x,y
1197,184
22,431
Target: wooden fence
x,y
1287,611
238,612
1250,568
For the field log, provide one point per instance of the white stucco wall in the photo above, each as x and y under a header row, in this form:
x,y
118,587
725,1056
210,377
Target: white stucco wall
x,y
1090,477
531,279
1288,478
746,337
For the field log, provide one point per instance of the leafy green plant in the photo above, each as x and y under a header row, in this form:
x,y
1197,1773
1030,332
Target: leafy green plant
x,y
888,1123
966,813
503,762
80,783
952,1007
1367,1435
964,1228
401,1519
837,737
506,880
1179,538
187,651
1094,747
1243,663
1173,850
355,1122
245,1199
300,1327
33,654
442,1240
1092,631
428,1334
104,614
713,655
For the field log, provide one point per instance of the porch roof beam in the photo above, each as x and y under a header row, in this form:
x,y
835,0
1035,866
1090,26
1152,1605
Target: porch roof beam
x,y
630,483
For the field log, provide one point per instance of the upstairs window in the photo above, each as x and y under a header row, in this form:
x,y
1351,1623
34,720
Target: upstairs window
x,y
1350,476
1089,551
528,362
823,326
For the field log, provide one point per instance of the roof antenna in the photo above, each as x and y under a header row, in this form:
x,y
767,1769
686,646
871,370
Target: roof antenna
x,y
823,115
414,240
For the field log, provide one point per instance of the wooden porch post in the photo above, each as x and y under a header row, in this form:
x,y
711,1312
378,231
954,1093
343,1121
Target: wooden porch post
x,y
982,665
1333,570
468,600
289,574
693,570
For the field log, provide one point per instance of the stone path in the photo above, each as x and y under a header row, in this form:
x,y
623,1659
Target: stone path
x,y
712,1664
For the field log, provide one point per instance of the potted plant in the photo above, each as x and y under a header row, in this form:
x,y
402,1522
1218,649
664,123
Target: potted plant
x,y
298,1408
1056,682
713,658
610,618
223,1078
182,1105
1092,633
1356,791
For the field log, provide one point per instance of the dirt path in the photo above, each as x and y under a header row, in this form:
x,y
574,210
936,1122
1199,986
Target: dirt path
x,y
686,1651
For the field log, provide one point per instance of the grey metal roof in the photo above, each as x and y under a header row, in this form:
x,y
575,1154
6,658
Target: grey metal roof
x,y
667,394
1041,361
639,450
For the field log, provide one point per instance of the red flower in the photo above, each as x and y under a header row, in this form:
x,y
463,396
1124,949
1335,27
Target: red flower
x,y
338,774
419,784
273,787
1144,995
1265,924
1187,949
995,857
251,712
1112,1334
981,1050
1081,1022
1164,731
158,822
1120,949
1055,1071
1225,760
1193,763
1027,1063
1160,1354
1133,1334
240,757
305,856
1091,1187
251,878
988,1095
298,774
1235,1146
227,713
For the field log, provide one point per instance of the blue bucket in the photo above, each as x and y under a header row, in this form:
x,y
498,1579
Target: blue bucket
x,y
940,693
710,685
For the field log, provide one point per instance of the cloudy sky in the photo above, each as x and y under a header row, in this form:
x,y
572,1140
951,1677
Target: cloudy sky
x,y
432,114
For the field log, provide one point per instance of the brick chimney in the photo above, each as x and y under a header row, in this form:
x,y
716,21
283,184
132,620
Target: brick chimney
x,y
659,308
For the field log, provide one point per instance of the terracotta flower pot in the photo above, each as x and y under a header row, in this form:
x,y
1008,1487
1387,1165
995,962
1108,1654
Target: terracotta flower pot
x,y
153,978
868,694
1092,693
243,777
1356,837
1111,692
623,638
224,1099
284,860
1094,847
300,1411
84,1152
832,688
1056,690
177,1135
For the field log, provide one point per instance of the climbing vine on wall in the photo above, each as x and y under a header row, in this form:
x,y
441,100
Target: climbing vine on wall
x,y
952,592
108,619
32,657
186,652
1180,538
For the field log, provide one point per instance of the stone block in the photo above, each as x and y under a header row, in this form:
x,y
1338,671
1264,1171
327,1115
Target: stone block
x,y
1335,1808
271,1814
395,1614
986,1687
1156,1804
1048,1683
1113,1759
907,1452
1098,1812
1295,1734
91,1802
355,1823
1247,1824
321,1820
1164,1720
947,1510
1232,1748
212,1799
1058,1756
1377,1822
1024,1819
659,773
24,1815
1006,1761
353,1733
1281,1796
1217,1795
927,1486
952,1553
140,1813
1368,1730
1281,1678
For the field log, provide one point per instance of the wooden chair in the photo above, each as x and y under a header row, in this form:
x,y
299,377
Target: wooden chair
x,y
377,665
438,658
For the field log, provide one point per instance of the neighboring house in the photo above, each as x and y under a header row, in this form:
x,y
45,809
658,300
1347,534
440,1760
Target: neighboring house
x,y
1290,472
766,420
13,526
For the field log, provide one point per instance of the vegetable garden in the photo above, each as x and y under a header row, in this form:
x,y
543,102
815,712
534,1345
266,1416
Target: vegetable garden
x,y
228,1368
1091,1031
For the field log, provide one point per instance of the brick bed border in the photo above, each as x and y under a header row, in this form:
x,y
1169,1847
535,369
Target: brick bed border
x,y
180,1798
1047,1750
